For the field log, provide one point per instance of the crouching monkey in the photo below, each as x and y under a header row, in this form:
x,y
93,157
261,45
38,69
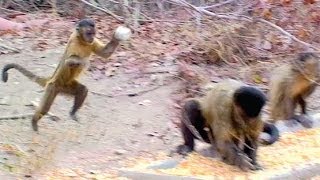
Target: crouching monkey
x,y
81,44
290,85
229,117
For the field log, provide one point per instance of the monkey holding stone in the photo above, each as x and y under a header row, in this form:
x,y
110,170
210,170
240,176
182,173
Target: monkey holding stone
x,y
291,84
81,44
229,117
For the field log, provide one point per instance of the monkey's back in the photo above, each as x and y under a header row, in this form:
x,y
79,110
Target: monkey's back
x,y
286,84
217,104
280,81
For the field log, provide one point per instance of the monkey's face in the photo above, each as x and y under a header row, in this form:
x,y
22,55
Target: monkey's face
x,y
308,63
86,30
88,34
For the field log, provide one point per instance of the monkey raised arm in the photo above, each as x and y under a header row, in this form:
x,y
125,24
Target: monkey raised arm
x,y
105,51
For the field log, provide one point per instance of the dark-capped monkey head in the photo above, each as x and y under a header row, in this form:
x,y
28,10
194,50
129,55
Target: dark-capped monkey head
x,y
249,101
86,30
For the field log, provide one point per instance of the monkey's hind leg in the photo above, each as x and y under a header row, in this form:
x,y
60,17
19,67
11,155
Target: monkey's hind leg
x,y
80,93
49,95
303,119
191,115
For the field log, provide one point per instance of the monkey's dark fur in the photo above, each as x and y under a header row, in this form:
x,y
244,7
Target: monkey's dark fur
x,y
231,111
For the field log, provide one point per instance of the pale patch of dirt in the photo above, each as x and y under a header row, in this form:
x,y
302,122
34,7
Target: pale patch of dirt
x,y
110,130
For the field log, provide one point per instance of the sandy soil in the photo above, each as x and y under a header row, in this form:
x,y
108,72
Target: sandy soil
x,y
110,128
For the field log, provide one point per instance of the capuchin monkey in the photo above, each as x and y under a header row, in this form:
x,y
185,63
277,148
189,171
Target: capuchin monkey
x,y
228,117
290,85
81,45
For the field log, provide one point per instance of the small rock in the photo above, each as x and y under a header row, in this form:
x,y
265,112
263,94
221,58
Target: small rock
x,y
117,64
153,77
266,45
154,64
94,172
120,152
27,176
145,102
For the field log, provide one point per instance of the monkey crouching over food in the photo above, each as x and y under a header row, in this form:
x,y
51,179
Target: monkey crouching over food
x,y
81,44
229,117
291,84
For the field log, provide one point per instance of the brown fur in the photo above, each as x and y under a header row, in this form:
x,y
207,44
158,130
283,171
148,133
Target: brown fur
x,y
230,130
290,85
81,45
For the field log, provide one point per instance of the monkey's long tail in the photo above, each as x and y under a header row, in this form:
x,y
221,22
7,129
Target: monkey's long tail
x,y
39,80
273,131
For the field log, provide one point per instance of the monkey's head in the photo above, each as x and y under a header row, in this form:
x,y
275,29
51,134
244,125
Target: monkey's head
x,y
86,30
307,60
249,101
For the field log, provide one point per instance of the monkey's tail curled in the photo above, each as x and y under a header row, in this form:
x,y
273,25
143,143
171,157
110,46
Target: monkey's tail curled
x,y
273,131
39,80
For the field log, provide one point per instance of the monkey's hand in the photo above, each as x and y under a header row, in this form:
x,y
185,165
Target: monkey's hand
x,y
183,149
122,33
74,62
235,156
244,162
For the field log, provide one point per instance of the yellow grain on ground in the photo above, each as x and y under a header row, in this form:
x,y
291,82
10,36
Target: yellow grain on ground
x,y
292,150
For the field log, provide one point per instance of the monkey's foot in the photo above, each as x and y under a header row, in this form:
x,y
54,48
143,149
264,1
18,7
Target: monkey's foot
x,y
74,117
35,125
304,120
184,150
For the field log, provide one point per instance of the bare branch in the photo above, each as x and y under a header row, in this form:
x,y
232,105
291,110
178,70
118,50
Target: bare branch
x,y
217,5
104,10
287,34
243,18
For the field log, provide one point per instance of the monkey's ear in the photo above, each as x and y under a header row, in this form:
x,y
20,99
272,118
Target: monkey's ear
x,y
122,33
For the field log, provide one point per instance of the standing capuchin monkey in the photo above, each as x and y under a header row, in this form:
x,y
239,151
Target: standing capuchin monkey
x,y
229,117
82,43
290,85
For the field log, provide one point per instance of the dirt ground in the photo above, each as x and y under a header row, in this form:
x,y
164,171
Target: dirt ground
x,y
110,128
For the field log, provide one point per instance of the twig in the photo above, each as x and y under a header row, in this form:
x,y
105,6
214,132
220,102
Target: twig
x,y
10,48
104,10
143,92
126,94
287,33
18,116
217,5
13,11
102,94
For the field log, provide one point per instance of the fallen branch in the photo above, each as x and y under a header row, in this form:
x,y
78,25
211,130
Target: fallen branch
x,y
143,92
102,94
127,94
18,116
9,48
104,10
